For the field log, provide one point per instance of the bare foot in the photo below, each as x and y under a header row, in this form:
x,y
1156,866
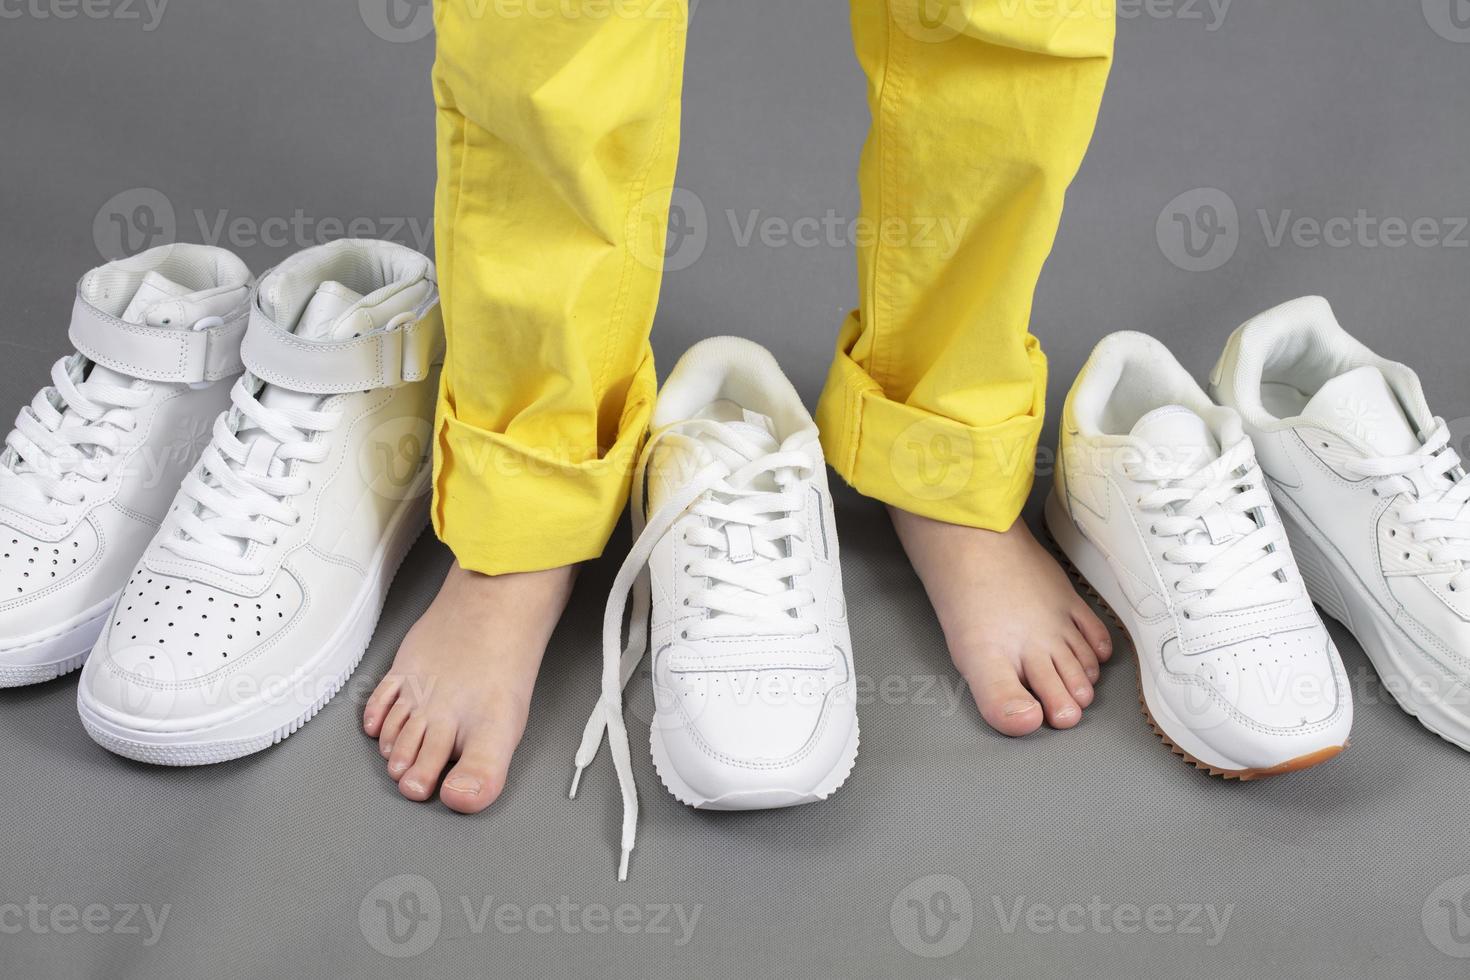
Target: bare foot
x,y
1016,629
461,684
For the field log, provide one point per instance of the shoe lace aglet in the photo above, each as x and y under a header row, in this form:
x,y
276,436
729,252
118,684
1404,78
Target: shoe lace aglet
x,y
623,863
576,779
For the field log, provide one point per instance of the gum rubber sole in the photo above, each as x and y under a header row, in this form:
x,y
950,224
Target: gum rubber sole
x,y
1243,775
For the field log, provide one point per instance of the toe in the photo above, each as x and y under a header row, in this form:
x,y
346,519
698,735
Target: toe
x,y
1085,654
398,716
1073,676
406,747
1042,678
476,779
1004,702
423,776
379,704
1093,630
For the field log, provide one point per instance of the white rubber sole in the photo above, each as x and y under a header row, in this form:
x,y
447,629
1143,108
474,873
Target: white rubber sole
x,y
258,727
51,657
769,798
1343,596
1092,567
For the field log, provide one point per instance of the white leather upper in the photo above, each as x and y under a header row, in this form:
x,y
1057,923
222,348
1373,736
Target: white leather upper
x,y
191,640
53,571
1258,683
1309,463
735,710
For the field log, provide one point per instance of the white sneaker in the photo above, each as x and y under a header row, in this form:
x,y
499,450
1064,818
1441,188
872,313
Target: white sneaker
x,y
752,667
1160,506
256,599
92,463
1375,499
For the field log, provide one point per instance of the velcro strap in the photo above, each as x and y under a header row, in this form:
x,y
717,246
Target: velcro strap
x,y
382,358
178,354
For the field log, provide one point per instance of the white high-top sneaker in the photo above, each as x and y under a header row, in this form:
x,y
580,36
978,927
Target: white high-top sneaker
x,y
256,599
1375,498
752,666
1160,506
92,463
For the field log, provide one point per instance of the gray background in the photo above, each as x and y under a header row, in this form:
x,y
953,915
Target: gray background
x,y
272,866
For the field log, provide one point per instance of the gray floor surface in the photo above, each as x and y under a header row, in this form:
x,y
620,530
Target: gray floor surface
x,y
952,851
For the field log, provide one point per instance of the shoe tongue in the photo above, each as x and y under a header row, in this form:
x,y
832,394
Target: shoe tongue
x,y
758,430
1178,441
158,302
147,305
1361,404
325,317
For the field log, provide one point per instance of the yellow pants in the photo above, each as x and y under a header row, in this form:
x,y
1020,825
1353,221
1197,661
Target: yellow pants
x,y
558,134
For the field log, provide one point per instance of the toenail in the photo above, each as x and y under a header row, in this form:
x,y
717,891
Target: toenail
x,y
397,767
1068,712
1080,691
413,787
1019,707
464,784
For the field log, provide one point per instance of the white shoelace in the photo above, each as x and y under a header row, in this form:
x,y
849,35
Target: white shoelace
x,y
66,438
1435,480
236,499
748,593
1235,561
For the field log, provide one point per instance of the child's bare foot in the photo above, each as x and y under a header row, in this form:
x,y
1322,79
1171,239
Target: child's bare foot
x,y
1014,625
461,684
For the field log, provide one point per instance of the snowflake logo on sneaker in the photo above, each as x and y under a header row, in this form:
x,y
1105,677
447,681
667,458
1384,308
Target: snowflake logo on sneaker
x,y
1358,417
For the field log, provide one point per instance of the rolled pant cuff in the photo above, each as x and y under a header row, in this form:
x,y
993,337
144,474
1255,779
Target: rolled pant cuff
x,y
925,463
502,506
